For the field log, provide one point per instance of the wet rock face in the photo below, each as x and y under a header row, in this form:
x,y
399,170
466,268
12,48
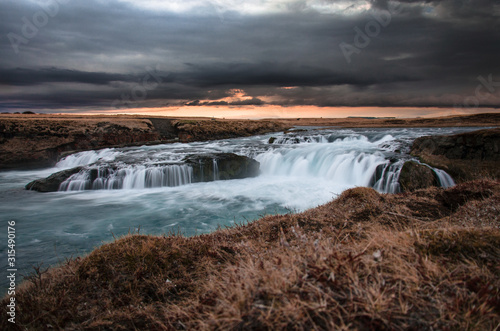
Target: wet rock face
x,y
466,156
52,183
416,176
222,166
477,145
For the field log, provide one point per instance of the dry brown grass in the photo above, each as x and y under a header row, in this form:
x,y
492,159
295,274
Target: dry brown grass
x,y
477,120
365,261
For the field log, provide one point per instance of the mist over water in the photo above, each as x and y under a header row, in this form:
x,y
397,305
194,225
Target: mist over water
x,y
299,170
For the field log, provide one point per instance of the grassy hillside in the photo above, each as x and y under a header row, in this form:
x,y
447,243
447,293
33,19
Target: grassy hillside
x,y
412,261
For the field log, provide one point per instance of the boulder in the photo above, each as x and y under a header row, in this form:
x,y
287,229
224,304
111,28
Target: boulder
x,y
52,183
416,176
222,166
466,156
476,145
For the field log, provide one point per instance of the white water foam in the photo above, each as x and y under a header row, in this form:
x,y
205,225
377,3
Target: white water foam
x,y
86,158
129,178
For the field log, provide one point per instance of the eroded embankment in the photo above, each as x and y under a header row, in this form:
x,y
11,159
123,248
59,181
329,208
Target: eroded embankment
x,y
422,260
466,156
39,141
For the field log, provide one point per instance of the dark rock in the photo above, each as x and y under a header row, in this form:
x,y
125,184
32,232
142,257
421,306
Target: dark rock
x,y
476,145
228,165
52,183
416,176
164,127
465,156
272,140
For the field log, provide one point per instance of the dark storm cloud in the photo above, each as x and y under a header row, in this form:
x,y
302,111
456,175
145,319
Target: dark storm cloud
x,y
92,53
279,74
25,77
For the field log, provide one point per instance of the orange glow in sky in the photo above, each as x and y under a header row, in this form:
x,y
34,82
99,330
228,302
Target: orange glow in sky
x,y
270,111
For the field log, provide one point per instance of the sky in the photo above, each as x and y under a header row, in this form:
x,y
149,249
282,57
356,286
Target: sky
x,y
252,58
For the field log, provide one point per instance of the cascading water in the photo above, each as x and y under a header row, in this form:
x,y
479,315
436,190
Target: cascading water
x,y
216,169
300,140
131,177
89,157
354,168
346,159
351,160
444,179
388,179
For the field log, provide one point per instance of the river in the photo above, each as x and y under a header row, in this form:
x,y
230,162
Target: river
x,y
298,170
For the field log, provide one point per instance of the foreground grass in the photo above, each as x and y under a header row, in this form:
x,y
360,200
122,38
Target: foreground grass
x,y
414,261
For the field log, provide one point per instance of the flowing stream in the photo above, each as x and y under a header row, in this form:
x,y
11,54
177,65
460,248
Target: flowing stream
x,y
150,188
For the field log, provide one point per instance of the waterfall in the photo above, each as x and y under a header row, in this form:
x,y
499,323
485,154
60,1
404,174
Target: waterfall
x,y
131,177
343,157
388,179
216,170
77,182
445,180
353,168
86,158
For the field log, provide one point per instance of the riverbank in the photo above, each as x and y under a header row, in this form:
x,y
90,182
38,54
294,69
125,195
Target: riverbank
x,y
466,156
420,260
37,140
477,120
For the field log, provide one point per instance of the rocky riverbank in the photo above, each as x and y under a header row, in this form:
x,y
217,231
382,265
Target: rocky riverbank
x,y
36,140
420,260
31,141
465,156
